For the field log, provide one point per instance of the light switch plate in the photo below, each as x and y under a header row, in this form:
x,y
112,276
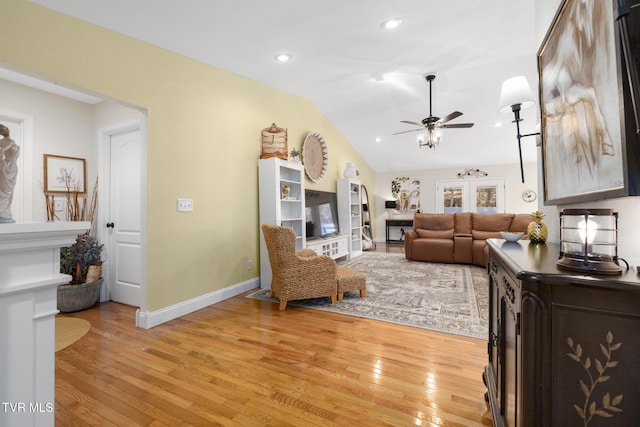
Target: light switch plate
x,y
185,205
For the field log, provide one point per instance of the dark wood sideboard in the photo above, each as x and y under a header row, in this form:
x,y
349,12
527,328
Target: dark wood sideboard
x,y
564,348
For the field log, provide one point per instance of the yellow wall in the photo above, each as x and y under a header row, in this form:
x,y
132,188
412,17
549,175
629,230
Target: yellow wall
x,y
203,142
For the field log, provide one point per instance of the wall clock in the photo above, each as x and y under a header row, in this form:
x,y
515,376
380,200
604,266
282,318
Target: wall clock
x,y
529,195
315,156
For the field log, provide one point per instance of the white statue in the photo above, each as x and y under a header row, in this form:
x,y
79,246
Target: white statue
x,y
9,152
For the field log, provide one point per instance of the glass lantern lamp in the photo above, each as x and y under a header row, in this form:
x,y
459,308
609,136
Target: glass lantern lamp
x,y
589,241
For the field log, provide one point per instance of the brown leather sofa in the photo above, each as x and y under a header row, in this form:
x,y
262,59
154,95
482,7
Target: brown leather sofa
x,y
459,237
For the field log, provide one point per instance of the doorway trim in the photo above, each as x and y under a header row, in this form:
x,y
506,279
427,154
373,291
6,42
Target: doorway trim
x,y
104,138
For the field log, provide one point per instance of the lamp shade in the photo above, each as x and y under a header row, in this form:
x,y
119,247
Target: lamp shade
x,y
515,90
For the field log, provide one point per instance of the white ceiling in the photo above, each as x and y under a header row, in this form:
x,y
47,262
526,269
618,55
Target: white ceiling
x,y
363,78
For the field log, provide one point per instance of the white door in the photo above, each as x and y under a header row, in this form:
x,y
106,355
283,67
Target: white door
x,y
124,218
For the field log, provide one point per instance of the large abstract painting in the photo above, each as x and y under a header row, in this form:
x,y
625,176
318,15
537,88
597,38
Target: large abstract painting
x,y
580,103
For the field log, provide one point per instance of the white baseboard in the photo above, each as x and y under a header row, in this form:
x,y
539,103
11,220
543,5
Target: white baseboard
x,y
148,320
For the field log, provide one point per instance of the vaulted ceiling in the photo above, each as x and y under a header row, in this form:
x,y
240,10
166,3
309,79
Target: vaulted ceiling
x,y
365,79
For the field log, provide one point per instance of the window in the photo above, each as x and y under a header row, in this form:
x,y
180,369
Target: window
x,y
470,195
452,198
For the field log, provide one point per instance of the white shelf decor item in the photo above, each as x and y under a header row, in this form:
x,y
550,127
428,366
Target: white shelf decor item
x,y
350,171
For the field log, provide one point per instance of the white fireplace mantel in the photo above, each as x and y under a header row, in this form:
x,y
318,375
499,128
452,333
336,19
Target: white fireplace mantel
x,y
29,274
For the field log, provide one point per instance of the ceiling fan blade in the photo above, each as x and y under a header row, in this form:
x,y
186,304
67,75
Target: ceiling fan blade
x,y
458,125
451,116
410,123
406,131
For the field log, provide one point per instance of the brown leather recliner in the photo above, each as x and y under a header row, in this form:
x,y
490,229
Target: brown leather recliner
x,y
431,238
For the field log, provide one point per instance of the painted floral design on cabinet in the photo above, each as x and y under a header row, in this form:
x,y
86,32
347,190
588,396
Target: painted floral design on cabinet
x,y
608,406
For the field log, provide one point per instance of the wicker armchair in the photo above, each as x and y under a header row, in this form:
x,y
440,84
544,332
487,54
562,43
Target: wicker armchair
x,y
297,274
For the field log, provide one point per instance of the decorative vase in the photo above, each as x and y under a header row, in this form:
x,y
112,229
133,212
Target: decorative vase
x,y
537,230
350,171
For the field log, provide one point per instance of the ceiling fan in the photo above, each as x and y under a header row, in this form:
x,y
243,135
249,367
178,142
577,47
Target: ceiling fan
x,y
433,125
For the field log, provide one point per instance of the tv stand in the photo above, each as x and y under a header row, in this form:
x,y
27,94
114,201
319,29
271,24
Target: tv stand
x,y
336,247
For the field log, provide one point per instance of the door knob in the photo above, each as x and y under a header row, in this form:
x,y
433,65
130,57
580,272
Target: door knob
x,y
110,225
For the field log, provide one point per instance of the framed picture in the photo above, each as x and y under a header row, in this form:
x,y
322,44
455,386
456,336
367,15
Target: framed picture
x,y
582,105
62,174
407,192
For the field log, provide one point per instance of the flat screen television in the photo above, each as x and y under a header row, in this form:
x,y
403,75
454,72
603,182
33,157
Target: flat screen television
x,y
321,214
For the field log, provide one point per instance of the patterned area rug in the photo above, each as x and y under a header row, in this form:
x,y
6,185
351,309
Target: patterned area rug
x,y
448,298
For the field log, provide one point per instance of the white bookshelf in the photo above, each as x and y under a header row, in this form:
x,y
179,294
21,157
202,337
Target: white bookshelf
x,y
350,213
276,208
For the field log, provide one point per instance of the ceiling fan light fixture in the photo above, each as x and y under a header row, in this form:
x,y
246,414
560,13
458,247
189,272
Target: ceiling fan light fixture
x,y
391,24
431,138
430,128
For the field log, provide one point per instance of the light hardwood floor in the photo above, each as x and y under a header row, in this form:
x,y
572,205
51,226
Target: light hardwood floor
x,y
244,363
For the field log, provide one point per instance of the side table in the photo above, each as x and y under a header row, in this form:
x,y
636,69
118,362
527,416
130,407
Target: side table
x,y
396,223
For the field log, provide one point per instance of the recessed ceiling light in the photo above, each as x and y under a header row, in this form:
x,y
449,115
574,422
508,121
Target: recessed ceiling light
x,y
391,24
498,124
283,57
378,139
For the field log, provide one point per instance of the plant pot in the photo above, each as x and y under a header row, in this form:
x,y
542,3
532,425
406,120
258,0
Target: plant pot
x,y
78,297
94,273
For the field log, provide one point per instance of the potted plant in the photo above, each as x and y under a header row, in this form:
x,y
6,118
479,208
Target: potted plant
x,y
295,154
82,259
82,262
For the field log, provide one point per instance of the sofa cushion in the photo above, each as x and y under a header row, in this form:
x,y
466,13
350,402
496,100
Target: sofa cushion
x,y
492,222
463,223
433,250
429,221
484,235
520,223
435,234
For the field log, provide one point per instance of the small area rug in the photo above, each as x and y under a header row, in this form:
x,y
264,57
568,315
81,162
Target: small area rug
x,y
69,330
449,298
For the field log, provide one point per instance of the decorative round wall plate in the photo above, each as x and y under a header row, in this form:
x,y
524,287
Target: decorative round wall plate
x,y
315,156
